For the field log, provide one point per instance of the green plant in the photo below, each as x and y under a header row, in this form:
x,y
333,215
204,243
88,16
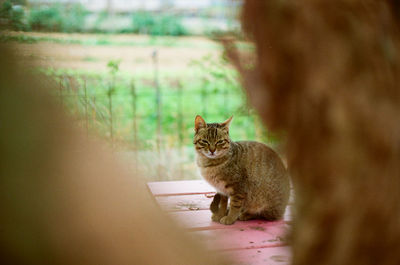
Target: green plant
x,y
46,18
113,66
18,38
74,20
13,16
101,17
112,103
157,24
58,18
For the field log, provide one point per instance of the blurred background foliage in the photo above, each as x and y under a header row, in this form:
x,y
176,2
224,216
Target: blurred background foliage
x,y
57,17
75,16
137,76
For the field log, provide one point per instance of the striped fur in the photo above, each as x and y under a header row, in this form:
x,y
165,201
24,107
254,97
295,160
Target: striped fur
x,y
250,174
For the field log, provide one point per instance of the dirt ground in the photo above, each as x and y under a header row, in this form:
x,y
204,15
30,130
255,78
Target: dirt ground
x,y
174,55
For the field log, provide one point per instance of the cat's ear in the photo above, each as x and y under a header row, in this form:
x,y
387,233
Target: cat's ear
x,y
227,123
199,123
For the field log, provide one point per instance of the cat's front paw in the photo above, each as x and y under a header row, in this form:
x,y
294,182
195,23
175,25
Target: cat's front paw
x,y
226,220
216,217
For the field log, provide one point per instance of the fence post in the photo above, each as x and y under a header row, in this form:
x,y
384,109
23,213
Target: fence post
x,y
159,117
180,116
86,107
135,136
94,112
158,100
134,102
61,92
109,94
204,97
226,94
180,127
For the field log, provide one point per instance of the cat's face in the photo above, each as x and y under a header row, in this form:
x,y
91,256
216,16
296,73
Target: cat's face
x,y
211,139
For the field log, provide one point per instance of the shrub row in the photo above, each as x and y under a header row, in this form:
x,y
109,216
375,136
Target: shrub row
x,y
72,18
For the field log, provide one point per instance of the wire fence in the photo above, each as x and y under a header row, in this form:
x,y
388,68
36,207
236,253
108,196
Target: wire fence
x,y
135,115
152,118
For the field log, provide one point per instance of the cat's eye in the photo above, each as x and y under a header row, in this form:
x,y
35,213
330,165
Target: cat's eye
x,y
220,141
204,142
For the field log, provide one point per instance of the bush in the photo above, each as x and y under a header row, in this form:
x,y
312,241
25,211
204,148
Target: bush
x,y
58,18
157,24
12,17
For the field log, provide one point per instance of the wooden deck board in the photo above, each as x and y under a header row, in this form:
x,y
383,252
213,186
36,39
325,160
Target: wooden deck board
x,y
244,237
188,187
201,220
261,256
185,202
251,242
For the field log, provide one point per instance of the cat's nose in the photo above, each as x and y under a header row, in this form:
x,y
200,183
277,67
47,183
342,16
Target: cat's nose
x,y
212,150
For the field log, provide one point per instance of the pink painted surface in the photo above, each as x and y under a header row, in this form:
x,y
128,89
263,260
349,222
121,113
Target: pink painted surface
x,y
187,187
185,202
261,256
245,237
189,202
201,220
251,242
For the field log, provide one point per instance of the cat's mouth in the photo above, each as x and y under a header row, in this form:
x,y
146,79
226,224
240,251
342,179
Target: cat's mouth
x,y
211,155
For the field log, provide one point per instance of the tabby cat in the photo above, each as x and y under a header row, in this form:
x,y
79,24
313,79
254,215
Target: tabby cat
x,y
249,173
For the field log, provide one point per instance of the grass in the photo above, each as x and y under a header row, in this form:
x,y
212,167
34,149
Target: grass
x,y
208,86
130,121
108,40
90,59
111,107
